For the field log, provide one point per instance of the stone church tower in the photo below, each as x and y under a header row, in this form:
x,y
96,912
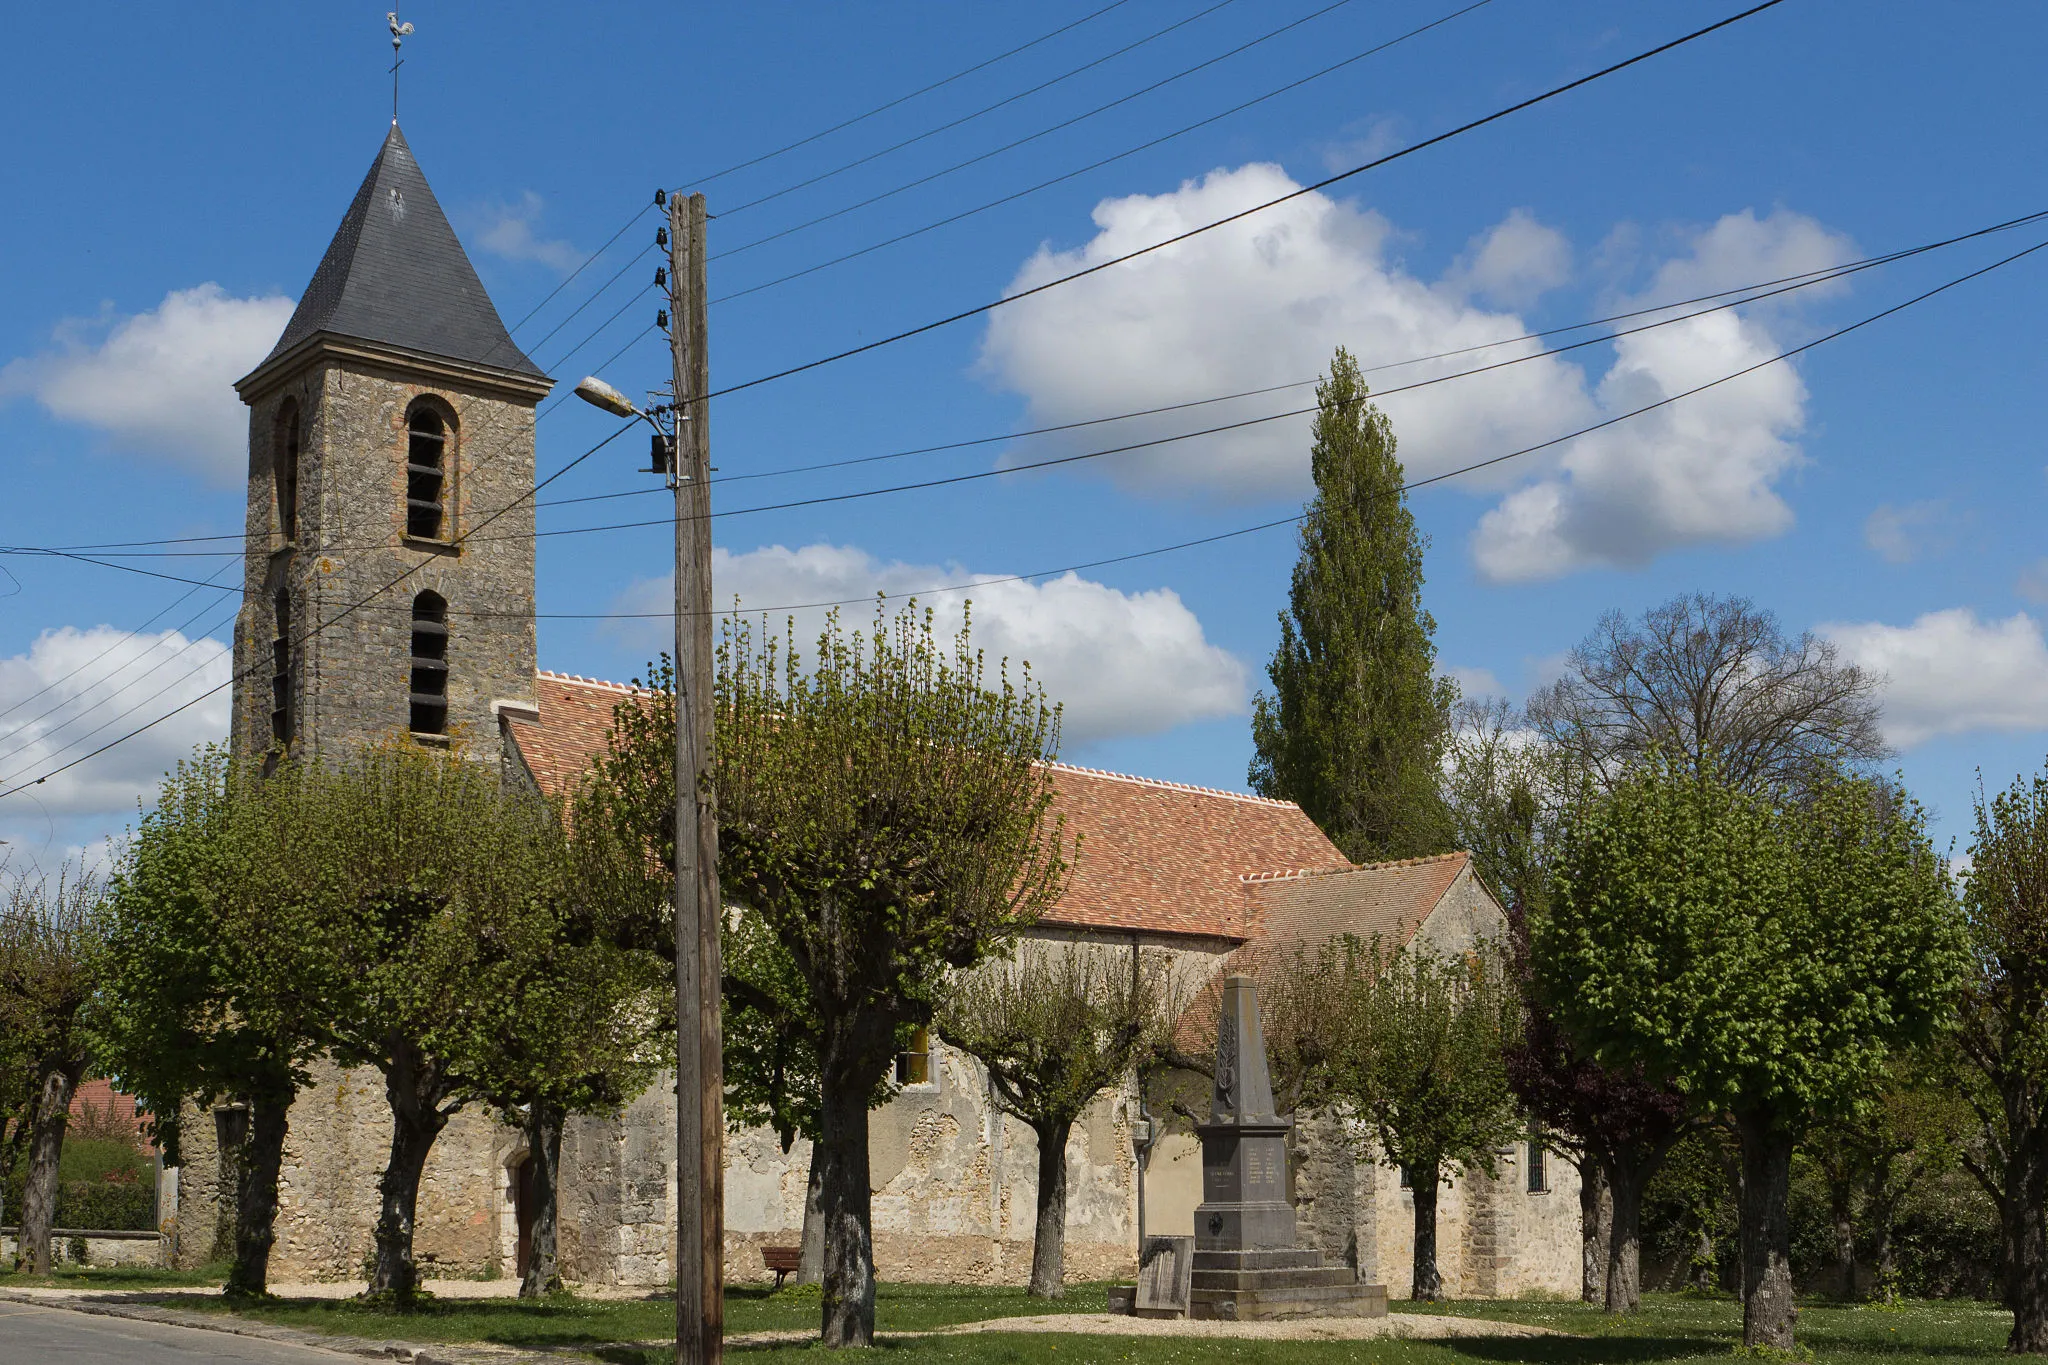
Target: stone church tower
x,y
388,582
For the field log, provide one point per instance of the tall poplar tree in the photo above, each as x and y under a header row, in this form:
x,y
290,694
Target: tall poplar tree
x,y
1355,728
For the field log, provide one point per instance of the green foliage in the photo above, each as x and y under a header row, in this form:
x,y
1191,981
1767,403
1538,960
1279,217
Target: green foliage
x,y
1421,1062
1355,728
1764,957
1056,1025
1507,793
223,963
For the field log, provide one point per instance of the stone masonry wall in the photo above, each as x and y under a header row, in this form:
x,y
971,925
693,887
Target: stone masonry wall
x,y
351,680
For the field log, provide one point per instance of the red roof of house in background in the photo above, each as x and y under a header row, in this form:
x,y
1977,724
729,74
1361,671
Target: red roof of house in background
x,y
1155,857
102,1098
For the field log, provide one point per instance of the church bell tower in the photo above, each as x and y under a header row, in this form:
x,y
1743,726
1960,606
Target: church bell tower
x,y
388,582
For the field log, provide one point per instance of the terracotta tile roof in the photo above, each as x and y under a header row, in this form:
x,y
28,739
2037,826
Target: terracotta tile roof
x,y
1166,857
1161,857
1309,908
575,717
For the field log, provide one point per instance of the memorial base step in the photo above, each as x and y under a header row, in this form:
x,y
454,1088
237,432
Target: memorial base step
x,y
1352,1300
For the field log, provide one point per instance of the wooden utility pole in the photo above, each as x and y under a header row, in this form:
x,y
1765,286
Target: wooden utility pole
x,y
700,1057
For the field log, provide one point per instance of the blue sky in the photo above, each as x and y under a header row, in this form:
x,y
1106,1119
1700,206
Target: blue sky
x,y
171,196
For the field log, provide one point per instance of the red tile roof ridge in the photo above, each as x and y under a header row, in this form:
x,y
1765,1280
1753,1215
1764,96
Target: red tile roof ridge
x,y
1292,873
1417,862
627,689
1247,797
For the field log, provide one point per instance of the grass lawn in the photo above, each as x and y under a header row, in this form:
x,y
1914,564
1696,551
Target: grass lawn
x,y
115,1278
1671,1328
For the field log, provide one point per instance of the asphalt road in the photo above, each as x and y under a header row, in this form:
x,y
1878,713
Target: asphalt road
x,y
33,1335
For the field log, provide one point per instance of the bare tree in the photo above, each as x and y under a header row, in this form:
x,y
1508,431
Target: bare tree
x,y
1707,678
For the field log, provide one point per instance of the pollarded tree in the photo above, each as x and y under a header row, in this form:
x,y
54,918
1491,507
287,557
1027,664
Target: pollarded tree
x,y
1422,1067
219,973
443,883
1621,1124
884,807
1764,957
1056,1028
1711,682
2004,1037
52,933
1355,727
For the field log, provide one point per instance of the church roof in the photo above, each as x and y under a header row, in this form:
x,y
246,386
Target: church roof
x,y
1306,909
1155,858
395,274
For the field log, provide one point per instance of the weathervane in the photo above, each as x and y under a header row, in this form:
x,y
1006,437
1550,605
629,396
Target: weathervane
x,y
399,33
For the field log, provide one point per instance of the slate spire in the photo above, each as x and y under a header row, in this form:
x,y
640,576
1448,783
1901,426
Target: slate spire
x,y
395,274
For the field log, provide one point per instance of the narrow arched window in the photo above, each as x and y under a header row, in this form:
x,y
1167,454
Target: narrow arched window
x,y
426,475
1539,1172
284,470
281,669
429,664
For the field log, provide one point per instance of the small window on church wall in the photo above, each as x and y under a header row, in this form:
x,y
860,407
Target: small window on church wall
x,y
281,670
426,475
914,1063
1539,1176
429,698
284,457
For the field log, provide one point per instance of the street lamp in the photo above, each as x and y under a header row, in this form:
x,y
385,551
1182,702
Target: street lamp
x,y
662,455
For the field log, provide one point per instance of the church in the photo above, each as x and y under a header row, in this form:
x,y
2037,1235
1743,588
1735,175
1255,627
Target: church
x,y
394,417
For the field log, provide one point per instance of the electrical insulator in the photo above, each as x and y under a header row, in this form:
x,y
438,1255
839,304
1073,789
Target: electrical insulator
x,y
661,236
660,198
660,277
661,319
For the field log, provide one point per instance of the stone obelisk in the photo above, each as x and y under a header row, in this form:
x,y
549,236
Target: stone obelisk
x,y
1246,1262
1244,1144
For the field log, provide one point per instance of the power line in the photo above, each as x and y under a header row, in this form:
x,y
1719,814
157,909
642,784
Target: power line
x,y
1154,36
1147,145
1182,74
1324,183
1738,296
638,214
702,180
319,627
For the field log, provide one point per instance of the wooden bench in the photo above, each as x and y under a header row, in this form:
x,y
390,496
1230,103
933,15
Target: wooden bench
x,y
782,1260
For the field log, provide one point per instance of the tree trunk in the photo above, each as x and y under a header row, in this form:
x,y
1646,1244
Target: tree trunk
x,y
256,1172
2026,1179
1768,1312
1428,1281
1624,1239
1841,1214
810,1266
1596,1213
544,1155
1049,1240
848,1303
46,1151
414,1089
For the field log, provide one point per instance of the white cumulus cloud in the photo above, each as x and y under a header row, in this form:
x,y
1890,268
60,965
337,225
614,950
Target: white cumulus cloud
x,y
1905,533
67,696
1703,470
161,382
1950,673
508,231
1120,663
1515,262
1265,301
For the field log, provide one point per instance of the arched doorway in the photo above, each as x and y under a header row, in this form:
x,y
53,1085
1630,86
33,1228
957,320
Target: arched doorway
x,y
519,1175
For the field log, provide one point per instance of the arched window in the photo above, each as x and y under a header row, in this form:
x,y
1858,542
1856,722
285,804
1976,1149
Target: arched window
x,y
281,669
284,471
426,475
429,664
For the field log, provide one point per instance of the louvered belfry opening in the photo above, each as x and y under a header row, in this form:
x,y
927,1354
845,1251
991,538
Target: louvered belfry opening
x,y
281,670
429,664
285,473
426,475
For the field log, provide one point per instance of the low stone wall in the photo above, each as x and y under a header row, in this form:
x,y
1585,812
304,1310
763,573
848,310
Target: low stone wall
x,y
101,1247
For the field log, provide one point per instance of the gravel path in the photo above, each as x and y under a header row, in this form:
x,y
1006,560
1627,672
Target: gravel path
x,y
1413,1326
